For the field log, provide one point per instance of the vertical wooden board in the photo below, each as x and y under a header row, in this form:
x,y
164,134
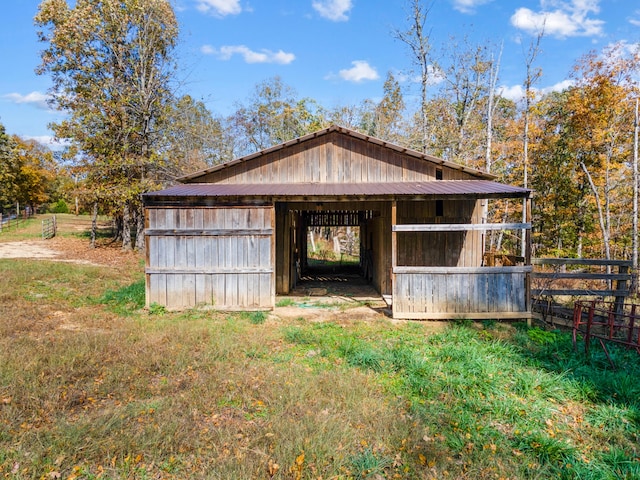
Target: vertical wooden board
x,y
209,294
398,302
317,173
151,215
482,292
248,250
198,218
157,218
493,291
471,292
253,290
189,218
174,295
211,218
166,218
231,289
200,289
181,253
243,286
517,290
420,298
234,250
218,289
170,251
212,251
252,251
249,219
152,288
262,292
435,305
153,251
188,290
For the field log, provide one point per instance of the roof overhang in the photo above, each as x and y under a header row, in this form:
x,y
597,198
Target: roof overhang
x,y
444,189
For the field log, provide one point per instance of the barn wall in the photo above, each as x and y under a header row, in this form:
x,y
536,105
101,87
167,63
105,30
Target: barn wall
x,y
380,229
441,292
219,256
335,158
462,249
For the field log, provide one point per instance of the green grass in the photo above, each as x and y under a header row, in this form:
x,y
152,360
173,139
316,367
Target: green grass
x,y
94,386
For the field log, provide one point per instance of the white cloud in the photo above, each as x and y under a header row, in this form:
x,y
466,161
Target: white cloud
x,y
635,20
50,142
468,6
263,56
360,72
516,92
335,10
37,99
561,19
219,8
558,87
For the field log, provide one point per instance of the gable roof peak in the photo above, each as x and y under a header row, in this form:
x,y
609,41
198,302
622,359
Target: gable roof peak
x,y
344,131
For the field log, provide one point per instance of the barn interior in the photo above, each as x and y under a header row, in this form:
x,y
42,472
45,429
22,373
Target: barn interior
x,y
329,245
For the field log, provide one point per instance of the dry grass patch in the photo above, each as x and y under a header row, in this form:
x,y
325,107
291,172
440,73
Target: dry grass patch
x,y
93,386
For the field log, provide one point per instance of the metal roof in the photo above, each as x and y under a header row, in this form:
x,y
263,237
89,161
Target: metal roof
x,y
346,131
476,188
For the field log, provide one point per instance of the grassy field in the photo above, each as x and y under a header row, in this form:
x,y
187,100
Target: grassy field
x,y
94,386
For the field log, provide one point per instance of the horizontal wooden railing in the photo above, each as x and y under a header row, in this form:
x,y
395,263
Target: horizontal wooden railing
x,y
580,277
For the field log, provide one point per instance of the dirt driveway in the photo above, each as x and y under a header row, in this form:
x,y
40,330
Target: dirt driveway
x,y
27,250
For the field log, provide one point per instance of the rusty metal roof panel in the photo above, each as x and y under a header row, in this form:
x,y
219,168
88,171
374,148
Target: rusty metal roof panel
x,y
436,188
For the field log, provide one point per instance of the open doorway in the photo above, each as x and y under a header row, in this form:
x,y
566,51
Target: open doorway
x,y
333,253
326,246
333,248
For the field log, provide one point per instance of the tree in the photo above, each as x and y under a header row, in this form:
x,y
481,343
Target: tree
x,y
35,172
7,169
111,66
272,116
193,139
419,44
532,76
600,120
389,111
27,171
457,112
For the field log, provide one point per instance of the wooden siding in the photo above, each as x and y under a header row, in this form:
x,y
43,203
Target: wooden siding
x,y
455,292
336,158
454,248
210,256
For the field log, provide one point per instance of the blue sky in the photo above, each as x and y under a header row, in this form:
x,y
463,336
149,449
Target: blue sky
x,y
335,51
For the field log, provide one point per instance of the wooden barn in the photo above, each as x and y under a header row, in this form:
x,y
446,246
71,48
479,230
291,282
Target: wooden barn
x,y
234,236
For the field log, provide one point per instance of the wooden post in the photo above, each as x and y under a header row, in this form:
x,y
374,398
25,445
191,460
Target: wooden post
x,y
527,260
394,254
621,286
273,255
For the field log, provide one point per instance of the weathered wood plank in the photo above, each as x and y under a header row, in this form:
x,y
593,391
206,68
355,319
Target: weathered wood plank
x,y
579,261
459,227
581,292
462,270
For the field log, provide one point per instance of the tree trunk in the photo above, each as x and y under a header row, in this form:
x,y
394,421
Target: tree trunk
x,y
601,219
94,224
140,229
634,254
126,227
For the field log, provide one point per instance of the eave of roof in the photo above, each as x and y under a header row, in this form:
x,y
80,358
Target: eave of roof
x,y
347,131
441,188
